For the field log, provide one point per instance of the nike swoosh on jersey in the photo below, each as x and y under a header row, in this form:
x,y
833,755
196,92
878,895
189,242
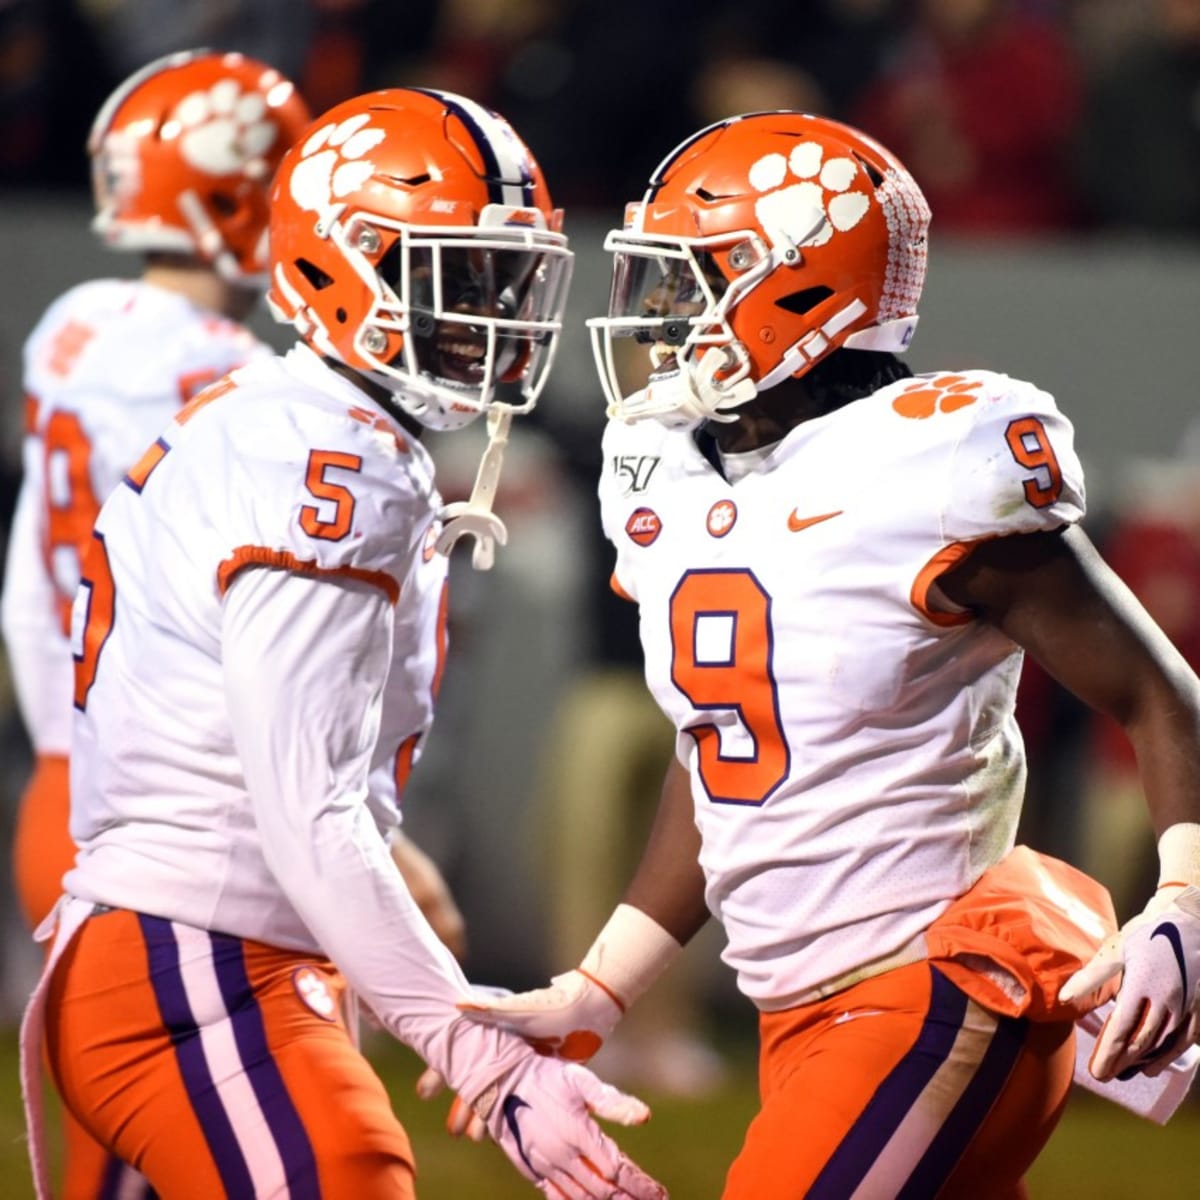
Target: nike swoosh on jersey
x,y
511,1106
797,522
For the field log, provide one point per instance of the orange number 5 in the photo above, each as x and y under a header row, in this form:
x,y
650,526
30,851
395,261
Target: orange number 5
x,y
1030,446
311,521
721,659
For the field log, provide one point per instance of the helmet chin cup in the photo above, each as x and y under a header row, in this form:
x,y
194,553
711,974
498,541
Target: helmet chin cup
x,y
692,393
719,398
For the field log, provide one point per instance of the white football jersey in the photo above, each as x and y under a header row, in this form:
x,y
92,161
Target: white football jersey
x,y
854,757
284,465
105,369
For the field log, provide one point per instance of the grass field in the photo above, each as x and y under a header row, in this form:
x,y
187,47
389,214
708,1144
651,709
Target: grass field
x,y
1099,1152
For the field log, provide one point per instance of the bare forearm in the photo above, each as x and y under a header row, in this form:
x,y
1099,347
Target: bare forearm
x,y
1166,740
669,883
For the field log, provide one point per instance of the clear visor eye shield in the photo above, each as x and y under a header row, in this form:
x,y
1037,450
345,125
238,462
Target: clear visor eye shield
x,y
672,297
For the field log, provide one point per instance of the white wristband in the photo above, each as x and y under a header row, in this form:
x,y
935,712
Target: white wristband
x,y
1179,855
629,955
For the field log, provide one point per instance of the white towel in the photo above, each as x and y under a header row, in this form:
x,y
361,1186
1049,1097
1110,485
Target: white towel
x,y
1155,1098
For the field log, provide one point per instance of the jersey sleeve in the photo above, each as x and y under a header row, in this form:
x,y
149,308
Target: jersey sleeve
x,y
38,651
1015,468
305,664
623,468
315,492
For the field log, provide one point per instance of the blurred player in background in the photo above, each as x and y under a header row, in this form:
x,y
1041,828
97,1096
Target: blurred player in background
x,y
182,157
839,567
259,638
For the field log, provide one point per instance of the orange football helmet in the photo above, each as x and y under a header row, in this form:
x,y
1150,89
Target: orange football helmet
x,y
413,239
763,243
182,158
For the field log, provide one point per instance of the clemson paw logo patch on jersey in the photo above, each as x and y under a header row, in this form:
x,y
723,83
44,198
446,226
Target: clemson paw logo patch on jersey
x,y
643,526
721,518
334,163
312,987
946,393
224,130
807,196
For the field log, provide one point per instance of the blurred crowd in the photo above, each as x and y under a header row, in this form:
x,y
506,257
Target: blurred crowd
x,y
1017,117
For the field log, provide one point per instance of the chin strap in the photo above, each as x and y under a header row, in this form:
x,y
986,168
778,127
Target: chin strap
x,y
475,516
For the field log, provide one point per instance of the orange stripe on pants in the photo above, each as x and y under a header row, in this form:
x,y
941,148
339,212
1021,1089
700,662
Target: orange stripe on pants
x,y
901,1086
264,1083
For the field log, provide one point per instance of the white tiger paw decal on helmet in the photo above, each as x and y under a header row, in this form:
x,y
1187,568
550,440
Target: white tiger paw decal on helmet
x,y
806,198
332,163
226,130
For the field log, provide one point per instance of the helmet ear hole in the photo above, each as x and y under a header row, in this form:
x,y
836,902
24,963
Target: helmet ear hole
x,y
804,301
317,278
874,173
224,205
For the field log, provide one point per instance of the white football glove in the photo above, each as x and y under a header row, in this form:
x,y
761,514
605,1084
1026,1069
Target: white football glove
x,y
569,1019
573,1016
540,1114
1157,1011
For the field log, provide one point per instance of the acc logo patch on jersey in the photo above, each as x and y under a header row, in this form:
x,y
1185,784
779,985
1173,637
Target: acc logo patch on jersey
x,y
721,518
313,989
643,526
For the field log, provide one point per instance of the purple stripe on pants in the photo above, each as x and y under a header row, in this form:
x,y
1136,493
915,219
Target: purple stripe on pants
x,y
117,1181
895,1096
176,1013
973,1106
250,1034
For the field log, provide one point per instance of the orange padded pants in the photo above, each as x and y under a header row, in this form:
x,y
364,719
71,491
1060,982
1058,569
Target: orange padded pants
x,y
901,1088
219,1067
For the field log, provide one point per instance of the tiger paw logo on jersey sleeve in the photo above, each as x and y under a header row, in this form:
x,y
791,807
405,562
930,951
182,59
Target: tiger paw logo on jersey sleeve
x,y
333,163
225,130
807,197
947,393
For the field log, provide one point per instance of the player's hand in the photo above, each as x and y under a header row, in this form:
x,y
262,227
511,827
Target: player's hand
x,y
1157,1011
569,1019
462,1120
541,1113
